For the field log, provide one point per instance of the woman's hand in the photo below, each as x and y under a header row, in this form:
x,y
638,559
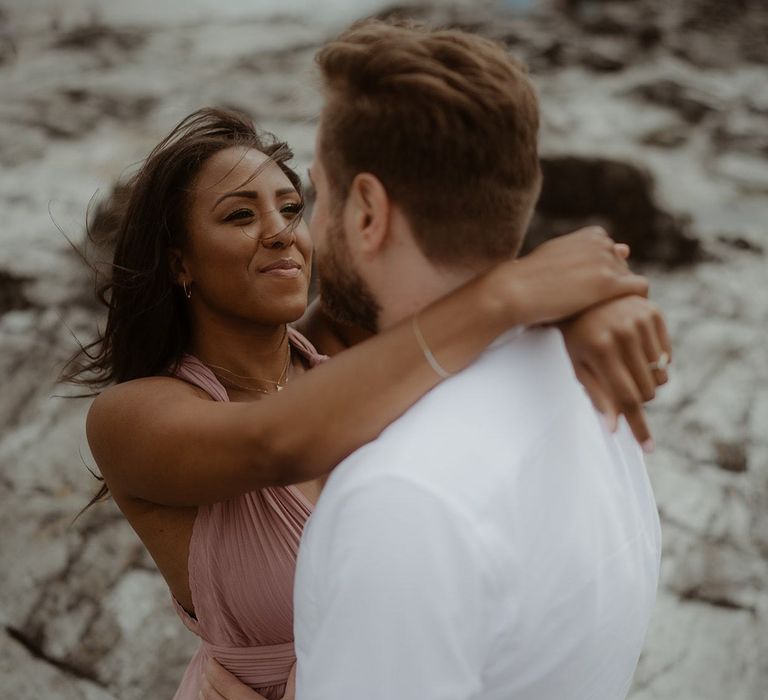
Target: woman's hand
x,y
567,275
220,684
614,349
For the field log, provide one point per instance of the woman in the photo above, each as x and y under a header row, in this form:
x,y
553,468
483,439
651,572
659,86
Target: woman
x,y
214,466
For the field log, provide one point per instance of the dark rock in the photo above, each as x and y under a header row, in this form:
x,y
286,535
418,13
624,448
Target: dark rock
x,y
405,12
691,104
731,456
73,112
583,191
625,20
742,131
667,136
287,59
758,102
710,15
12,295
7,42
716,34
607,56
649,35
712,595
541,50
755,43
97,36
550,56
614,19
703,51
741,243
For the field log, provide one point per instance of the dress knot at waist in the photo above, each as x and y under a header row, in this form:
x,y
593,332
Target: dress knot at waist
x,y
258,667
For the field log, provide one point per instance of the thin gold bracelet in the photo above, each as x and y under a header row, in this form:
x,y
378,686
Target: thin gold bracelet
x,y
428,356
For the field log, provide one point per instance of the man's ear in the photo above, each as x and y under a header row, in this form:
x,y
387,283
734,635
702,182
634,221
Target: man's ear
x,y
177,266
369,210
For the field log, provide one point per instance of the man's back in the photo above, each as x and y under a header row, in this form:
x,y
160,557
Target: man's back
x,y
494,542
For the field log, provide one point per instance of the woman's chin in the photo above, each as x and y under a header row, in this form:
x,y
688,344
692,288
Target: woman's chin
x,y
291,312
285,309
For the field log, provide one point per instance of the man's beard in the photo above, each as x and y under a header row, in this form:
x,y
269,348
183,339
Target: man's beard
x,y
344,293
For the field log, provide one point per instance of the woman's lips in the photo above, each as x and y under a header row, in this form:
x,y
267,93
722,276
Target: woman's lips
x,y
283,272
285,268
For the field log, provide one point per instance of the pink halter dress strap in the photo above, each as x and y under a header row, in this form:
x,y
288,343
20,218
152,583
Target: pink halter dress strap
x,y
242,560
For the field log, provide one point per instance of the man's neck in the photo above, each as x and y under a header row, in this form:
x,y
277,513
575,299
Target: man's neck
x,y
404,280
410,290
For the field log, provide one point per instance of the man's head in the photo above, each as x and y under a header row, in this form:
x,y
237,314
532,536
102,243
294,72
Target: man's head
x,y
432,131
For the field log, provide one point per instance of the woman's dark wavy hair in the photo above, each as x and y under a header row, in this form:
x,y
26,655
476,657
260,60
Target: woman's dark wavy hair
x,y
148,326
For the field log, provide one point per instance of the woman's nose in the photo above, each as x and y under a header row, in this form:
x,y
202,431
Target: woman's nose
x,y
280,231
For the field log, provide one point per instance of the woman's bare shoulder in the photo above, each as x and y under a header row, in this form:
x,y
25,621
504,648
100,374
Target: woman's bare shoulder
x,y
129,405
145,391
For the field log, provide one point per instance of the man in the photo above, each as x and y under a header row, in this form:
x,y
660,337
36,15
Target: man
x,y
497,541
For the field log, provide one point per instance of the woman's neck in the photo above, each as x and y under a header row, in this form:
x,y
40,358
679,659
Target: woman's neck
x,y
246,354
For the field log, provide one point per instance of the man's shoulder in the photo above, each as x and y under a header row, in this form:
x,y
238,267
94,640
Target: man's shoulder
x,y
488,415
508,395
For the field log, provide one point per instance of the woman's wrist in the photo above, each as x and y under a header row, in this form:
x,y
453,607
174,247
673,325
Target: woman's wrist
x,y
505,298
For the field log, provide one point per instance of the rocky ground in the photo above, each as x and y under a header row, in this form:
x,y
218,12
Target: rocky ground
x,y
655,123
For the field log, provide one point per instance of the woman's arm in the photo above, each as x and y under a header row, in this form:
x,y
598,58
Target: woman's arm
x,y
157,439
611,346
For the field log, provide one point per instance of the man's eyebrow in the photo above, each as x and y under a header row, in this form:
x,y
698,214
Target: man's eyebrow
x,y
251,194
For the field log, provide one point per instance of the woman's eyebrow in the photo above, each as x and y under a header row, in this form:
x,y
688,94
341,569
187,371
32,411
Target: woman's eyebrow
x,y
248,194
251,194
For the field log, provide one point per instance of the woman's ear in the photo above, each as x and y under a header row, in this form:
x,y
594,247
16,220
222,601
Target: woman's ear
x,y
368,213
177,266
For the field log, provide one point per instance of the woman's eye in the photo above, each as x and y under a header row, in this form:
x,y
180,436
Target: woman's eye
x,y
293,209
239,214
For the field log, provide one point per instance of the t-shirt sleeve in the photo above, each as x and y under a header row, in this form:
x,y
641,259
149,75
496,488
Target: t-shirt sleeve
x,y
401,593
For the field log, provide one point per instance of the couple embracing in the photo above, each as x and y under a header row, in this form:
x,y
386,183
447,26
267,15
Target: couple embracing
x,y
478,529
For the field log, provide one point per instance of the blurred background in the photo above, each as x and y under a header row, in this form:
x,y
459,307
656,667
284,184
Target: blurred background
x,y
655,124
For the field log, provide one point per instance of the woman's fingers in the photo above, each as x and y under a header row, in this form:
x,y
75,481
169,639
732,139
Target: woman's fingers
x,y
662,334
597,394
622,250
636,359
619,382
631,284
654,350
572,273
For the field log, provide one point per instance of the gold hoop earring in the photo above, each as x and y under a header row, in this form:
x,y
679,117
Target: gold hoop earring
x,y
187,292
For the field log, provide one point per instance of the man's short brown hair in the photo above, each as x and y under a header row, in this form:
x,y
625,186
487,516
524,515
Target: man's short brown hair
x,y
448,122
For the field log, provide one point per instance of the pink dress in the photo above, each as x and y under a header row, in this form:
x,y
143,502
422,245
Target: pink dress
x,y
242,559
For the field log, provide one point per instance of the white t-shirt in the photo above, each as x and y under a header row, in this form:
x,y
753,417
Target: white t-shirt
x,y
495,542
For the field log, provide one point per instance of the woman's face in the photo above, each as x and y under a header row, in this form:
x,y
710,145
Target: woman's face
x,y
247,256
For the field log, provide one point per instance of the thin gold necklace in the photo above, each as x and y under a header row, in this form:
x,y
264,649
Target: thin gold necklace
x,y
280,383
